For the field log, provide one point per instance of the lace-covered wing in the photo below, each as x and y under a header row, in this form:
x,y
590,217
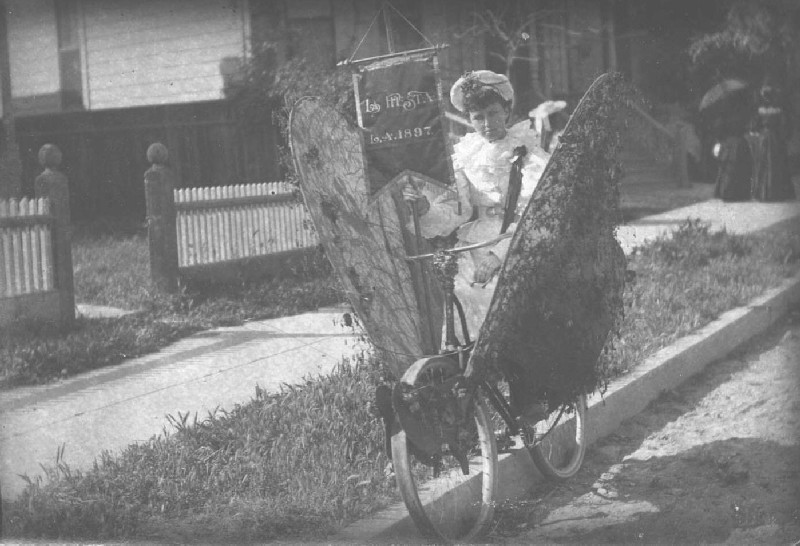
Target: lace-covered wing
x,y
560,288
363,238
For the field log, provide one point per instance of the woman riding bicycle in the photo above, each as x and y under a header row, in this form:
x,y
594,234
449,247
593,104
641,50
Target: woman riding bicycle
x,y
483,165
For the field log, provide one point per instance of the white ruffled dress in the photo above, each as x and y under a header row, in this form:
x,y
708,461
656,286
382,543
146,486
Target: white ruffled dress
x,y
482,171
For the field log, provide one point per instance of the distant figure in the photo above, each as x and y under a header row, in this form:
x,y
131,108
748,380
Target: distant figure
x,y
772,180
543,122
734,156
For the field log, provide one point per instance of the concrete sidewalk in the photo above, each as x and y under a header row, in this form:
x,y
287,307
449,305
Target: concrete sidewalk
x,y
745,217
110,408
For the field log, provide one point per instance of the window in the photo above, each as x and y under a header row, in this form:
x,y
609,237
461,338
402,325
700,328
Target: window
x,y
69,54
404,37
311,32
554,50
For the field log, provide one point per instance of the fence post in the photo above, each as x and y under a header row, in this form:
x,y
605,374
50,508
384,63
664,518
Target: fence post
x,y
54,185
159,183
679,160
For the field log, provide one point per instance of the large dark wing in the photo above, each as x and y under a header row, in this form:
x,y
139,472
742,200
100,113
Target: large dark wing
x,y
560,288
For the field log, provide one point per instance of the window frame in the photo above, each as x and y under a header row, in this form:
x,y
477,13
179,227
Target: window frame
x,y
71,55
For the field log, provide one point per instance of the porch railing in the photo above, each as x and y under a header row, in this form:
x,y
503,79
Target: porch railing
x,y
664,146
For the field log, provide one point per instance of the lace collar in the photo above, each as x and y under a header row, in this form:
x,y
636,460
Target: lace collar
x,y
475,152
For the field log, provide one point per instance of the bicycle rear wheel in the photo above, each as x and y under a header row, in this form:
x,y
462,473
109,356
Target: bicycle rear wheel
x,y
559,442
444,503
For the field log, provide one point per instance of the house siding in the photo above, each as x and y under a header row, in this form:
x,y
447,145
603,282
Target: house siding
x,y
150,52
155,52
33,55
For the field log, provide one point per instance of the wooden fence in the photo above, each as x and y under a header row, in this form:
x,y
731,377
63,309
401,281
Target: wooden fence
x,y
220,233
31,276
27,247
238,222
36,249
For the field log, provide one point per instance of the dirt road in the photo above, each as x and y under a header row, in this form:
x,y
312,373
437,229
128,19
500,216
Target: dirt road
x,y
715,461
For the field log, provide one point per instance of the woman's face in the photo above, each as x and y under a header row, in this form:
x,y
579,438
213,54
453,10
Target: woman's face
x,y
490,122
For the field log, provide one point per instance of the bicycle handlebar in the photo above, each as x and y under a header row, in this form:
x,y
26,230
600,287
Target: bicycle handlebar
x,y
459,249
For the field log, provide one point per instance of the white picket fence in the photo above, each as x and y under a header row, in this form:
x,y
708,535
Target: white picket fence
x,y
26,247
234,222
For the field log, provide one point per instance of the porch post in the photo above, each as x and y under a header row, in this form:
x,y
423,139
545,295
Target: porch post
x,y
679,161
53,185
159,183
10,163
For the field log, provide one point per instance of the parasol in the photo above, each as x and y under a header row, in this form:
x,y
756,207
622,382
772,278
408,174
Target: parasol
x,y
722,90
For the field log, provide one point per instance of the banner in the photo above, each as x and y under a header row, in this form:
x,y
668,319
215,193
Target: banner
x,y
399,107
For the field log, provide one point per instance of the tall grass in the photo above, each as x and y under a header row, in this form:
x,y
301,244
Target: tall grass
x,y
300,463
296,463
114,271
686,281
34,352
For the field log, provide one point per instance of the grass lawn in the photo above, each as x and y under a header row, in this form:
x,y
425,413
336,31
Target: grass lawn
x,y
114,271
297,465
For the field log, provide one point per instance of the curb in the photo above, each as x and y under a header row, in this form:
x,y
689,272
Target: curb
x,y
626,397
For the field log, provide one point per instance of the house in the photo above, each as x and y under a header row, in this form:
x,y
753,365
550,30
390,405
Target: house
x,y
103,79
69,55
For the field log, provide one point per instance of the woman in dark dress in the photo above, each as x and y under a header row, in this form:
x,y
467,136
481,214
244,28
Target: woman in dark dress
x,y
735,172
772,180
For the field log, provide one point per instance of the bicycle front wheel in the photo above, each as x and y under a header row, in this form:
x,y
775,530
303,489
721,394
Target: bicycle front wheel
x,y
559,442
444,503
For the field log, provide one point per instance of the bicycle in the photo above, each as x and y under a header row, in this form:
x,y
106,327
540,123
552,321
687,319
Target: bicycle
x,y
443,437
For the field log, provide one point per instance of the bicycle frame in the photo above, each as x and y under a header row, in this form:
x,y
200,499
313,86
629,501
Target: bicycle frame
x,y
446,268
440,417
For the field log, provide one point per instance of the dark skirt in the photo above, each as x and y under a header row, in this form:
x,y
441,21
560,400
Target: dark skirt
x,y
772,180
735,170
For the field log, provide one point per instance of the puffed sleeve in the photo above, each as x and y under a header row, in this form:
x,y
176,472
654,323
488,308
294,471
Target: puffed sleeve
x,y
445,214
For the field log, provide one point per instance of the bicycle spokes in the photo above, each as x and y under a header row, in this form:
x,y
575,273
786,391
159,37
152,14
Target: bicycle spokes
x,y
450,495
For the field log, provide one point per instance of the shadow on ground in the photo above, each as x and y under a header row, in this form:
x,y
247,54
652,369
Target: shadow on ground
x,y
716,460
742,490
